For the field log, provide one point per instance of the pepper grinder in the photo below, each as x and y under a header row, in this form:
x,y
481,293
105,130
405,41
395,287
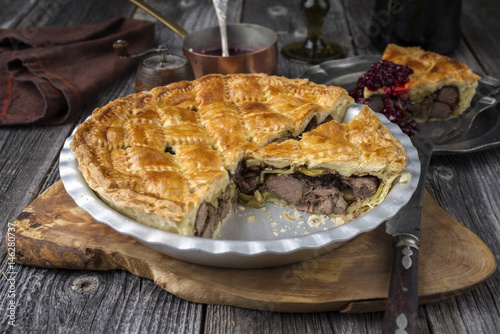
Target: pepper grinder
x,y
157,67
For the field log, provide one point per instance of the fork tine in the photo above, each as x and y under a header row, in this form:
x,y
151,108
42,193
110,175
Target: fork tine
x,y
451,135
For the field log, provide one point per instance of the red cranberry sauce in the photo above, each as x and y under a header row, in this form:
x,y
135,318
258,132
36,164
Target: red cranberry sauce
x,y
232,51
394,80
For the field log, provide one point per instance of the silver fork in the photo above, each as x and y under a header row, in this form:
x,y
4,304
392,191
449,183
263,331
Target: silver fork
x,y
487,96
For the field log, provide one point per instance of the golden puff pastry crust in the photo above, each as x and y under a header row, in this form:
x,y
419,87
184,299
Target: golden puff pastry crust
x,y
432,72
361,148
167,157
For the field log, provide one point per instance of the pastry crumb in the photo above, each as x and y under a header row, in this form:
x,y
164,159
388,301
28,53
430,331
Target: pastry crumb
x,y
338,221
313,219
405,177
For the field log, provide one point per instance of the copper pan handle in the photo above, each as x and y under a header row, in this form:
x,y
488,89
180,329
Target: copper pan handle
x,y
157,15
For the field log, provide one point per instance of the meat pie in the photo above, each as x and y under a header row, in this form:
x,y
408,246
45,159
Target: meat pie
x,y
176,158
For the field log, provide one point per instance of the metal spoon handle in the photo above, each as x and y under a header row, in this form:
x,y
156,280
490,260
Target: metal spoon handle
x,y
160,17
221,11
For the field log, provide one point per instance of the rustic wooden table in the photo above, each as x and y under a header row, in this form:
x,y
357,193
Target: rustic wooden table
x,y
65,301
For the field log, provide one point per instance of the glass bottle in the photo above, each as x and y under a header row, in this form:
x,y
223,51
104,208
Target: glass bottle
x,y
313,49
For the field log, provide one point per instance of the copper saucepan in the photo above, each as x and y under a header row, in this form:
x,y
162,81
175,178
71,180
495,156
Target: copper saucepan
x,y
253,48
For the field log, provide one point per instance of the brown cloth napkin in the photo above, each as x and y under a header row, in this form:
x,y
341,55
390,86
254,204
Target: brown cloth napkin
x,y
47,74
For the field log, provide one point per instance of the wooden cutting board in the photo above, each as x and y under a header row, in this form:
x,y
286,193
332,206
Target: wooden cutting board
x,y
53,232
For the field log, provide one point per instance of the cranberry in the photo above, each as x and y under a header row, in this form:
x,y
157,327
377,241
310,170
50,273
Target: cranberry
x,y
392,78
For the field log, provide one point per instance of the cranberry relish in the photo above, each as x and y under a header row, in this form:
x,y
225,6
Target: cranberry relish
x,y
393,80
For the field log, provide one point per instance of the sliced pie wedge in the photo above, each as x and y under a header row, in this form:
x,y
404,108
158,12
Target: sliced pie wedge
x,y
440,88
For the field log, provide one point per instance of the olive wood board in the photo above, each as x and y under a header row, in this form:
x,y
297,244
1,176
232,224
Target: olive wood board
x,y
53,232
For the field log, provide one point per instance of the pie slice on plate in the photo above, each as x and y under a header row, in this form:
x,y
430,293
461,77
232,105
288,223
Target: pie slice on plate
x,y
439,88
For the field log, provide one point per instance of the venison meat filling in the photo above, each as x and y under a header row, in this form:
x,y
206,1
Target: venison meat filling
x,y
328,193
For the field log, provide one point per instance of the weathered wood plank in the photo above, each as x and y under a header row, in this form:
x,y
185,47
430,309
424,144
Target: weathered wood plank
x,y
462,185
480,27
226,319
59,301
67,12
97,302
13,11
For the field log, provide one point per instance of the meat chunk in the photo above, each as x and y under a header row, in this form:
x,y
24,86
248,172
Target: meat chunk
x,y
248,178
205,220
364,187
325,205
439,104
446,101
440,110
332,204
225,203
376,103
286,187
448,95
319,193
209,216
323,190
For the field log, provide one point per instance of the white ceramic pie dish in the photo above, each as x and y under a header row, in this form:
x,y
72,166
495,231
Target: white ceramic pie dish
x,y
250,238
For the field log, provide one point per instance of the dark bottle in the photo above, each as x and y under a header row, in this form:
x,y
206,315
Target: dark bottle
x,y
313,49
314,12
432,24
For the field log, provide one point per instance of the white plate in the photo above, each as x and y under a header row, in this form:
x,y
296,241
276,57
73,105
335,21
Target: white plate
x,y
250,237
